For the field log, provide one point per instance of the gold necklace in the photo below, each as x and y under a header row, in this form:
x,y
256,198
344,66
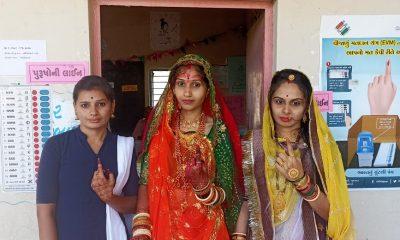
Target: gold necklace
x,y
186,145
190,125
294,136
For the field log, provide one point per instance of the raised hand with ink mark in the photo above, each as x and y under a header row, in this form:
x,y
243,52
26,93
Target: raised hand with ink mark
x,y
381,92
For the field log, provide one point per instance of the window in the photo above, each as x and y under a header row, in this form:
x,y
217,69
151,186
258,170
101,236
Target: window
x,y
159,79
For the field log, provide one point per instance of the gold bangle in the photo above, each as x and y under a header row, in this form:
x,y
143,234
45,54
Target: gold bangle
x,y
302,184
202,189
239,236
140,215
141,231
142,227
141,222
140,219
298,179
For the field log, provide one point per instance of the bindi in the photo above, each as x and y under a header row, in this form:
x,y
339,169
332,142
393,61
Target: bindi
x,y
91,97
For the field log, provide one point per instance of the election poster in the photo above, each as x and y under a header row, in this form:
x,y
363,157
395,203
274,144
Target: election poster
x,y
360,65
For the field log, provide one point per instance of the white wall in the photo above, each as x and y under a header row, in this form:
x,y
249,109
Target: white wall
x,y
298,46
64,26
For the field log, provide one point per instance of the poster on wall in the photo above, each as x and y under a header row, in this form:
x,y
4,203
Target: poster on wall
x,y
360,65
29,116
15,53
63,118
165,28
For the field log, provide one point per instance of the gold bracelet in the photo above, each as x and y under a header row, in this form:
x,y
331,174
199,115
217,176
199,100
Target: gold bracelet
x,y
303,181
239,236
141,215
138,222
141,231
140,219
202,189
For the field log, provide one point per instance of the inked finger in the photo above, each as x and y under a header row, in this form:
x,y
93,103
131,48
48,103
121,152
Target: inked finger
x,y
388,70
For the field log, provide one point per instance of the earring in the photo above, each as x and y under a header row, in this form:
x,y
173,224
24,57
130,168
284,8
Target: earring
x,y
76,118
112,115
305,118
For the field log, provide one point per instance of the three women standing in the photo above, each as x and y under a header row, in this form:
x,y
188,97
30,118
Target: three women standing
x,y
191,182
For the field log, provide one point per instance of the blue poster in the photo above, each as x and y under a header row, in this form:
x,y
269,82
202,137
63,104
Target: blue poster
x,y
360,64
364,72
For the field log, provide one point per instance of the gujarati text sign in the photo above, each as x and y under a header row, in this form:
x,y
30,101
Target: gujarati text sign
x,y
55,72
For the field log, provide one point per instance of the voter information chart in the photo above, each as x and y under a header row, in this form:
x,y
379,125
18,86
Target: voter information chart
x,y
25,126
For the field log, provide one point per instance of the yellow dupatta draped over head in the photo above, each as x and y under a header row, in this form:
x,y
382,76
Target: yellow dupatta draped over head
x,y
328,161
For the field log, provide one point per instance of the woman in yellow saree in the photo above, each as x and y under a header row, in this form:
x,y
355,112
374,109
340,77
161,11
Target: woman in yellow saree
x,y
294,175
191,176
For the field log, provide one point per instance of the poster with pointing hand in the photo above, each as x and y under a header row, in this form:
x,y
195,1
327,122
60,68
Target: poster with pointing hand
x,y
360,64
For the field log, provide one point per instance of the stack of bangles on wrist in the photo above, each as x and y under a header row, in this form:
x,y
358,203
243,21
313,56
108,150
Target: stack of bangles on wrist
x,y
141,226
210,195
238,236
309,191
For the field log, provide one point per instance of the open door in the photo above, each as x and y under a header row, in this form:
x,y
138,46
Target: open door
x,y
255,73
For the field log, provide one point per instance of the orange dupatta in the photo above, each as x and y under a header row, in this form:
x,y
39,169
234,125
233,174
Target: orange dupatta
x,y
174,211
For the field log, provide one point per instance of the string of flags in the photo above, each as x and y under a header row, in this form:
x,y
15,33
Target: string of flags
x,y
155,56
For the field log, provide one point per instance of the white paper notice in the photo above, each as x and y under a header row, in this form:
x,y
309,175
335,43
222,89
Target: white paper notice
x,y
15,53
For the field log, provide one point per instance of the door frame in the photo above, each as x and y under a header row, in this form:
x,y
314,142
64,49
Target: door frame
x,y
268,32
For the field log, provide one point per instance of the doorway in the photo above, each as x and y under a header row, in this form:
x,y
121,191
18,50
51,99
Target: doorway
x,y
228,33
